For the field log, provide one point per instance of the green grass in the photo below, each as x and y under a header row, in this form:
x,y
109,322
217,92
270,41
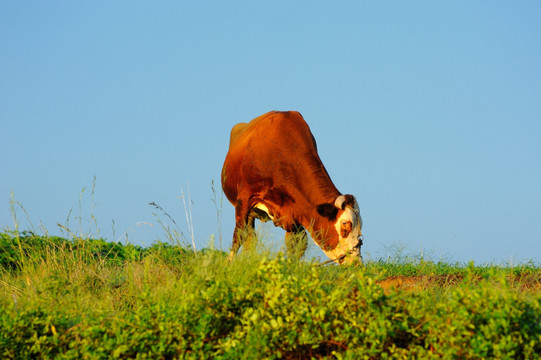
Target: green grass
x,y
90,299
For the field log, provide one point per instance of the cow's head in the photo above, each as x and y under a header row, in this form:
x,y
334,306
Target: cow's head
x,y
345,239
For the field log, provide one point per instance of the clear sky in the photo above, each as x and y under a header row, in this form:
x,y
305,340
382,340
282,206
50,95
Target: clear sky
x,y
428,112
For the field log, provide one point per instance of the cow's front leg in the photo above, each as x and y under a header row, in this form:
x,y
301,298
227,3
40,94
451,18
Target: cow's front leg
x,y
296,242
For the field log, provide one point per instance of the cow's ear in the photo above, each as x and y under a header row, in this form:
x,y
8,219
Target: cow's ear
x,y
327,210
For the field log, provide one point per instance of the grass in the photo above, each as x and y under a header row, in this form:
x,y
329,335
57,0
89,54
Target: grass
x,y
88,298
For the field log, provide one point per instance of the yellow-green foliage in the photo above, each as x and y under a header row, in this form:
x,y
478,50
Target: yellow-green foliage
x,y
165,302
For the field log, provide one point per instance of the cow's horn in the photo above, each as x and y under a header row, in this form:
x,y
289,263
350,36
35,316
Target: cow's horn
x,y
340,201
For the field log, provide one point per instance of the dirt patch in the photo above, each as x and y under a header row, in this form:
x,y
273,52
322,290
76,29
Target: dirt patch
x,y
421,282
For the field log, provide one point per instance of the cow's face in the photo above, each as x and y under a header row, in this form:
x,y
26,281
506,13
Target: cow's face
x,y
347,223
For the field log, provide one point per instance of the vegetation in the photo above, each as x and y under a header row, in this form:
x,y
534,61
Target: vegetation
x,y
90,299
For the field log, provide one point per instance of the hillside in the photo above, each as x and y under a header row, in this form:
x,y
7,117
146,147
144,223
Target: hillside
x,y
87,298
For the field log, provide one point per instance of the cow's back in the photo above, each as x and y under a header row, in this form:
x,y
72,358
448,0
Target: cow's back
x,y
271,147
272,127
276,135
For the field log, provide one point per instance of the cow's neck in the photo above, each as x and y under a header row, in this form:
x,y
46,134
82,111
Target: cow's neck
x,y
321,229
318,191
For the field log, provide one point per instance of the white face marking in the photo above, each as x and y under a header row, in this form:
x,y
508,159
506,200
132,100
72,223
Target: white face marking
x,y
347,244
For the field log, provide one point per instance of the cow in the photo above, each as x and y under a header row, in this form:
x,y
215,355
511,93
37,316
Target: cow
x,y
272,171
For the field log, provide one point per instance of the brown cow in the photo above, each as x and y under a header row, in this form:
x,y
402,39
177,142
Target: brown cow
x,y
272,171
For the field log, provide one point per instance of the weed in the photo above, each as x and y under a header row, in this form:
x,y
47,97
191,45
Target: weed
x,y
99,299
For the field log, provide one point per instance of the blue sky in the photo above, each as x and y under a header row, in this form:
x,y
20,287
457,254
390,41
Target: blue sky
x,y
428,112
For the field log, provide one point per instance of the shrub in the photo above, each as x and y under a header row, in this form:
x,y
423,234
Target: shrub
x,y
169,302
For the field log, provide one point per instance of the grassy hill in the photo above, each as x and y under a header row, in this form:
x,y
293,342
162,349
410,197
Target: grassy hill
x,y
87,298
